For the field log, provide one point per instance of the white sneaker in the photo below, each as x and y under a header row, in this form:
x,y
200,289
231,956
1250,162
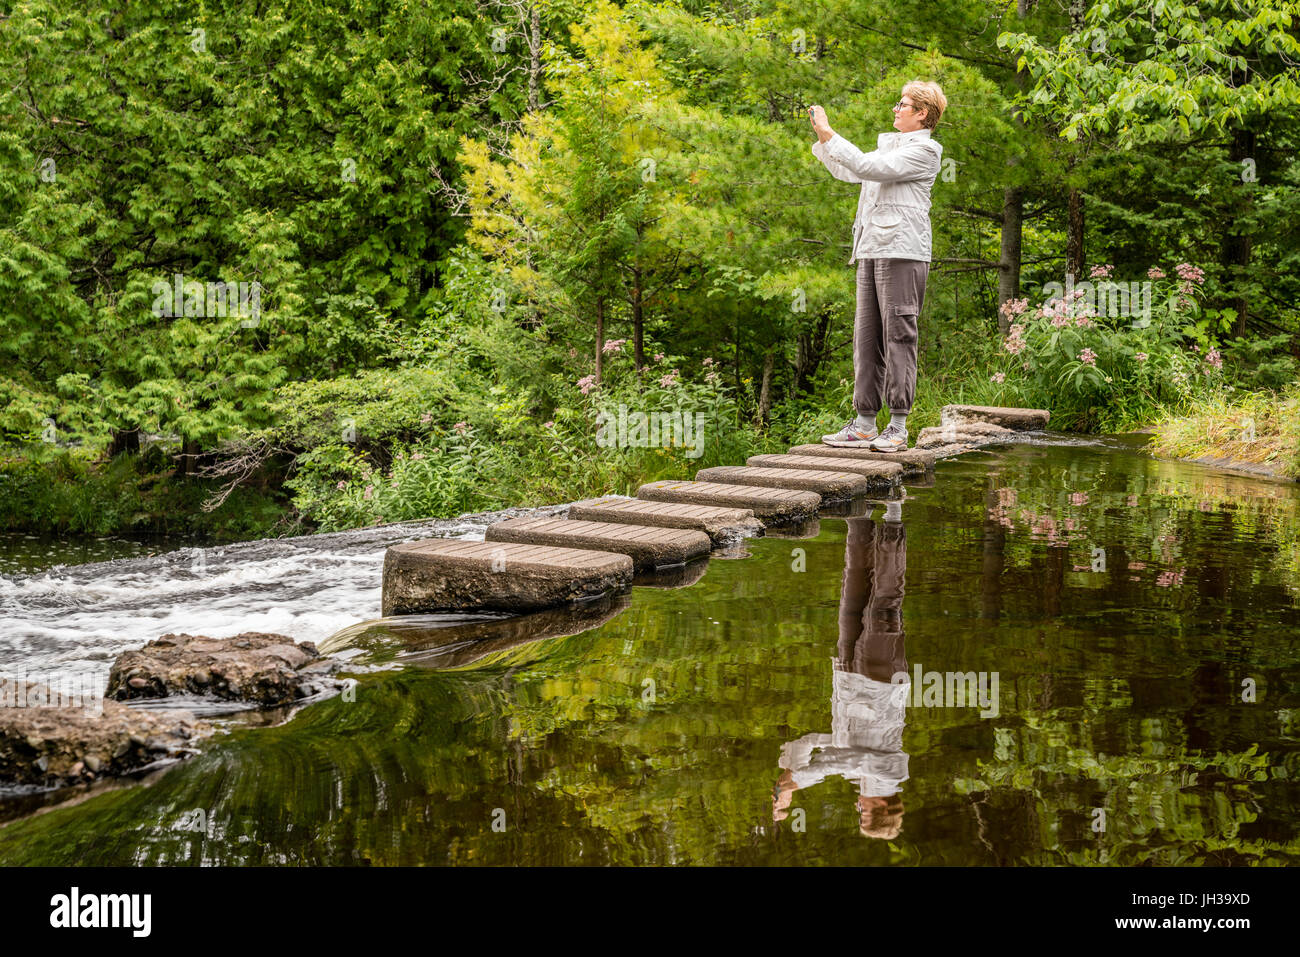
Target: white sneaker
x,y
850,437
893,439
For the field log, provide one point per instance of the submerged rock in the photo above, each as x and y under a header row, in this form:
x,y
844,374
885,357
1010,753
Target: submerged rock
x,y
59,746
265,669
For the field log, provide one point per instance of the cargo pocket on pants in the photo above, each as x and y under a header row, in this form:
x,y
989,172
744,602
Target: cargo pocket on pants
x,y
902,325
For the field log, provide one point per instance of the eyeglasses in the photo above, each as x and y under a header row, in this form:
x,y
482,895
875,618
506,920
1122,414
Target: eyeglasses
x,y
900,104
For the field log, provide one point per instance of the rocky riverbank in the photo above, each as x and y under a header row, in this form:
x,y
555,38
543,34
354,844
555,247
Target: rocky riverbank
x,y
50,739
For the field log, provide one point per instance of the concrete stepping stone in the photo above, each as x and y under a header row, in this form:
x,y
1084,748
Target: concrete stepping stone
x,y
720,524
648,547
829,485
878,474
912,460
454,575
1009,417
772,505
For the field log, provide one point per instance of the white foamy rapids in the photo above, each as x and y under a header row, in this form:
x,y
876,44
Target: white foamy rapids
x,y
78,618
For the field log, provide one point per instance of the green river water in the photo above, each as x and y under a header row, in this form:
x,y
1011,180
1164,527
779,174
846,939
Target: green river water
x,y
1139,617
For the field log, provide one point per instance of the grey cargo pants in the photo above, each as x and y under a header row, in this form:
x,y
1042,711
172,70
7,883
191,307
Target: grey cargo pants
x,y
890,295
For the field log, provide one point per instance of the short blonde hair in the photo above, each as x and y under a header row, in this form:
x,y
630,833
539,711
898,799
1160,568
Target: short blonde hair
x,y
929,97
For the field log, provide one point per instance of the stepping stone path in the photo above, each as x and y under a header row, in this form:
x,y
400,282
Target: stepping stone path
x,y
720,524
912,460
531,562
648,547
877,474
829,485
772,505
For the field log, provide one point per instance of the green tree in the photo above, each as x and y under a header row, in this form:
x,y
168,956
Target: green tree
x,y
1216,75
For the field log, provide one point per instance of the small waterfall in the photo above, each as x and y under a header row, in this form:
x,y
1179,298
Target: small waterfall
x,y
78,618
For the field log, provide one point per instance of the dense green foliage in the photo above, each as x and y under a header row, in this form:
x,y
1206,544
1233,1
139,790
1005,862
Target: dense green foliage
x,y
62,494
442,212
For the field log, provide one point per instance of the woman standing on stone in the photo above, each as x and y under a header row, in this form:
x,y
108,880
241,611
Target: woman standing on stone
x,y
891,246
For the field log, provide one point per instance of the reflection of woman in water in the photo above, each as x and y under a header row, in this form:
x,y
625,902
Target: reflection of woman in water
x,y
867,709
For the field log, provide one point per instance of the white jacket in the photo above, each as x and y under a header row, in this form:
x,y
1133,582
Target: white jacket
x,y
866,740
894,202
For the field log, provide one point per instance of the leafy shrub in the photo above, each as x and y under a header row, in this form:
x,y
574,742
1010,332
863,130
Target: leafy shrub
x,y
1100,372
63,491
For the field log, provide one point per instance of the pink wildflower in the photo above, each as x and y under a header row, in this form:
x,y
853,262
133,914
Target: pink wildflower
x,y
586,383
1014,342
1190,273
1013,307
613,345
369,493
1101,272
1214,359
1155,272
1088,357
999,377
461,427
707,362
1141,357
